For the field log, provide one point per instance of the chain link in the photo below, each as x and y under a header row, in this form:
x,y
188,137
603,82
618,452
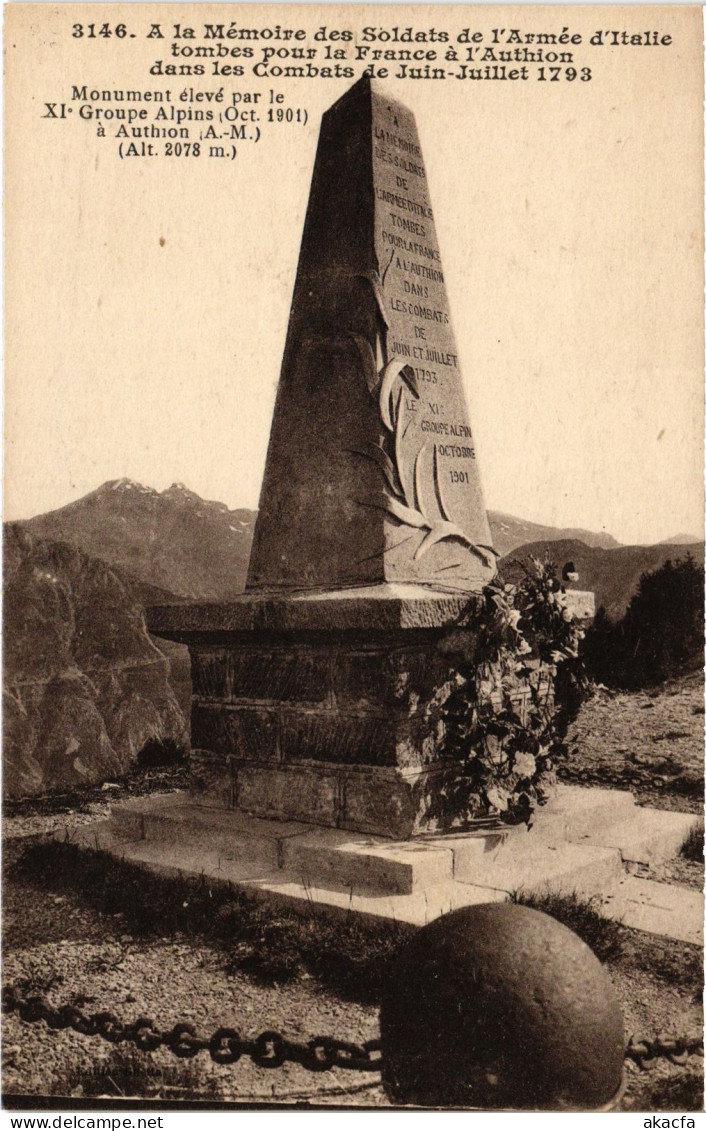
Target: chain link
x,y
225,1046
643,1051
271,1049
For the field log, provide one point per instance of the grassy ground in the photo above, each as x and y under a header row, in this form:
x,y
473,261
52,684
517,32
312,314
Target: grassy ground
x,y
351,956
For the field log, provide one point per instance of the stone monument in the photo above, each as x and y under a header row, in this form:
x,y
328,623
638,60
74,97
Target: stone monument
x,y
316,695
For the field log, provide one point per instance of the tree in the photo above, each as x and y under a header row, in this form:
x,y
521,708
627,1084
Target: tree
x,y
661,635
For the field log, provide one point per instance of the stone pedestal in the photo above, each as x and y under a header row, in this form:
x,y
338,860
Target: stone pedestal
x,y
320,707
324,707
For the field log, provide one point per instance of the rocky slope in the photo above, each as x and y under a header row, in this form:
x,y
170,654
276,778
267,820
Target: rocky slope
x,y
84,685
650,742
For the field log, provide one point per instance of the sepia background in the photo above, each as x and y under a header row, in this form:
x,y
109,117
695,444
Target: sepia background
x,y
147,301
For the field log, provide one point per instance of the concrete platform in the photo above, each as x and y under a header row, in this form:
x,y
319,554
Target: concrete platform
x,y
580,842
649,836
661,909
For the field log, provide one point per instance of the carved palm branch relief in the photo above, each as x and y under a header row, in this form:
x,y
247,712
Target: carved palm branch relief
x,y
404,487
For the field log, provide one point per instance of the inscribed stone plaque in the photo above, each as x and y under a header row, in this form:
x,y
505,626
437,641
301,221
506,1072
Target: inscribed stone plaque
x,y
371,471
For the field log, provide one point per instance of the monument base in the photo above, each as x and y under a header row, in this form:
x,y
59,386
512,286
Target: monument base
x,y
386,801
584,840
324,707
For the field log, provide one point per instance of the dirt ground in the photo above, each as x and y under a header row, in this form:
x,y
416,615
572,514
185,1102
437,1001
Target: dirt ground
x,y
74,954
649,742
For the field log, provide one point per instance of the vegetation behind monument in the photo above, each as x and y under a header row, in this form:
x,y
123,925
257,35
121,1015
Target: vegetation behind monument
x,y
661,635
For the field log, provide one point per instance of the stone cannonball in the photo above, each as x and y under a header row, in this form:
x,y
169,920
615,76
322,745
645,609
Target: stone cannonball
x,y
500,1006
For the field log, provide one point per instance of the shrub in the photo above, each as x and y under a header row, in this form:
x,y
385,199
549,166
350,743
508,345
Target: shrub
x,y
693,846
520,679
160,752
683,1091
582,915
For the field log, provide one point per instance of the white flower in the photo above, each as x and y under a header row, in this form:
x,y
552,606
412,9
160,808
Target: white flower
x,y
524,765
497,798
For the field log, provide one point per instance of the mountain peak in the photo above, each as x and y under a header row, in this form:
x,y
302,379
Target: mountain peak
x,y
172,540
680,540
509,532
181,493
125,484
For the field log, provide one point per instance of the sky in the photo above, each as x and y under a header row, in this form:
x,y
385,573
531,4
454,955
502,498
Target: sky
x,y
147,300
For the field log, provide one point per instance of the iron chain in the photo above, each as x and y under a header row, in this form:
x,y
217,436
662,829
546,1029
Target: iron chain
x,y
270,1049
643,1052
225,1046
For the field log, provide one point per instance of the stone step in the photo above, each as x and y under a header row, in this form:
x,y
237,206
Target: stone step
x,y
225,835
418,908
341,861
180,841
604,827
329,859
585,869
189,855
193,858
154,816
572,815
576,812
662,909
318,856
650,837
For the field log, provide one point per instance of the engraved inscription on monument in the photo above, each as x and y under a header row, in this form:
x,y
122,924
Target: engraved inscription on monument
x,y
435,457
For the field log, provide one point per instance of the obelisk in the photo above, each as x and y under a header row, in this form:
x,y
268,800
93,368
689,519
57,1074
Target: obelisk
x,y
317,694
371,471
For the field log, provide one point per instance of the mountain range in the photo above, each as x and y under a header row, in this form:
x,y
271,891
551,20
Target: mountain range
x,y
86,686
171,541
179,543
174,545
